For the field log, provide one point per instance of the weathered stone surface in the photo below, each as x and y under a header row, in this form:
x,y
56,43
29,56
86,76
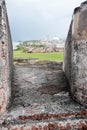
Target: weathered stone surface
x,y
75,63
75,125
36,85
5,59
40,99
38,90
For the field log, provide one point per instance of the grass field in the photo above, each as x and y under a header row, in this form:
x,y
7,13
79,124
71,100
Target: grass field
x,y
57,56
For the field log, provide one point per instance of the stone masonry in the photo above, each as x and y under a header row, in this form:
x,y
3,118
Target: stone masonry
x,y
36,96
75,62
5,59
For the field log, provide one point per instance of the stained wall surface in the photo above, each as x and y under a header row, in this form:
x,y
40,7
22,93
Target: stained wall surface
x,y
5,59
75,60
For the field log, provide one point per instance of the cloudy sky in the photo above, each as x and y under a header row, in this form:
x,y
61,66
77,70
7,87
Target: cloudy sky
x,y
39,19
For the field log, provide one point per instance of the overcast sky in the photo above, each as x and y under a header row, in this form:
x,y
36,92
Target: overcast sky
x,y
39,19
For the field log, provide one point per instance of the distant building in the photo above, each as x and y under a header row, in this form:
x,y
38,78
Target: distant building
x,y
15,44
60,45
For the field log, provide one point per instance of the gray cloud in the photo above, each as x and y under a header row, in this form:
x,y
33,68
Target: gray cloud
x,y
36,19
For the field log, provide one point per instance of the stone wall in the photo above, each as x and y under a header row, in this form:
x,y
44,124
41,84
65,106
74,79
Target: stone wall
x,y
5,59
75,60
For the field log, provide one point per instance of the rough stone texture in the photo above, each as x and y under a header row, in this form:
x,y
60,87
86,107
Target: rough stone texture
x,y
5,59
75,63
75,125
33,85
41,101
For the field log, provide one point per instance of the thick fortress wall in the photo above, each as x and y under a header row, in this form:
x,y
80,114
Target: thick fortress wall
x,y
75,56
5,59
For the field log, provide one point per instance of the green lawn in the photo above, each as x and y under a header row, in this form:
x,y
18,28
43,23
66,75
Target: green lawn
x,y
57,56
